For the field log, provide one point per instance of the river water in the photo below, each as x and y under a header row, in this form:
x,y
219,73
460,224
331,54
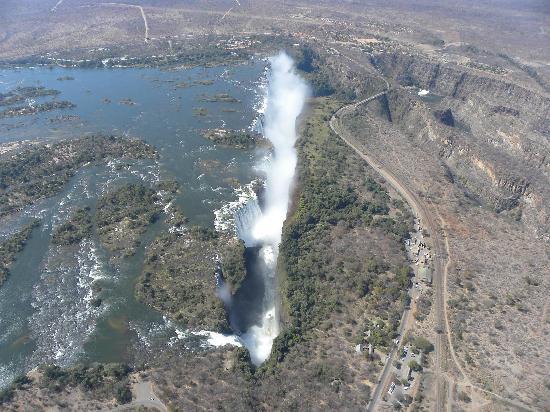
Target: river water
x,y
45,315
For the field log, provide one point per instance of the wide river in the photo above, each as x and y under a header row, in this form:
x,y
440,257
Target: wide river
x,y
44,316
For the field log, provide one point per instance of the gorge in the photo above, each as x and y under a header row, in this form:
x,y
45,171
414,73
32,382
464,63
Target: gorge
x,y
261,228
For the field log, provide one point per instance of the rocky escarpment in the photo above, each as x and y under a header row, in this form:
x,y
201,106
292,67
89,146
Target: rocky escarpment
x,y
501,179
458,81
505,114
490,133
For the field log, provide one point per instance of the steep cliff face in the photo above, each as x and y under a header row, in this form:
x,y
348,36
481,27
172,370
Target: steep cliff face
x,y
511,130
500,163
458,81
515,117
490,132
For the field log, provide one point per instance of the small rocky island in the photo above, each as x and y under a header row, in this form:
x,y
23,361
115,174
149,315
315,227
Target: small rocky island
x,y
20,94
240,139
24,98
219,98
33,109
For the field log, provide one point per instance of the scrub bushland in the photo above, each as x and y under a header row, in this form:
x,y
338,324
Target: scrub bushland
x,y
51,386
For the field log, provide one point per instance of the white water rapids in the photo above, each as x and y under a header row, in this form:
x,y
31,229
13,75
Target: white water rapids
x,y
286,96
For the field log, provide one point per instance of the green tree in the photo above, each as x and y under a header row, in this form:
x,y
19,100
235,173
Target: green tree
x,y
414,365
423,344
123,393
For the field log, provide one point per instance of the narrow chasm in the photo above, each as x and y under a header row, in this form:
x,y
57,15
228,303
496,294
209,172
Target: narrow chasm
x,y
253,309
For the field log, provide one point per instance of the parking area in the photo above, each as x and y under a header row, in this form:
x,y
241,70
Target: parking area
x,y
402,380
405,373
419,253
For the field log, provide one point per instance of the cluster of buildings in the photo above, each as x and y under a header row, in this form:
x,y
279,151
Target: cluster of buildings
x,y
419,253
406,368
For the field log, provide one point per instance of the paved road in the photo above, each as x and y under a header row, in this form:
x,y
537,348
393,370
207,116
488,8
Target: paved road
x,y
386,375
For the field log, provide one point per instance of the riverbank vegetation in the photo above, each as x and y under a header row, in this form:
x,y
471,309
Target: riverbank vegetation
x,y
201,51
78,227
120,217
123,215
336,199
200,54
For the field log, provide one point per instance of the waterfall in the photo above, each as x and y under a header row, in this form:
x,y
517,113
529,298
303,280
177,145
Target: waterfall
x,y
245,218
286,94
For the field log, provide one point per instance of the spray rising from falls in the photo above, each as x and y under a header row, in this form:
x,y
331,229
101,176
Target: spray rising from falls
x,y
262,228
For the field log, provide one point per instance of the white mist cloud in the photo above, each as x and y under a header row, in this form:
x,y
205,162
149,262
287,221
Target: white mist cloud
x,y
285,100
286,96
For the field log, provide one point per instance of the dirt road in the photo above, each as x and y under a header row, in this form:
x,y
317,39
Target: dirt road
x,y
54,8
143,15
